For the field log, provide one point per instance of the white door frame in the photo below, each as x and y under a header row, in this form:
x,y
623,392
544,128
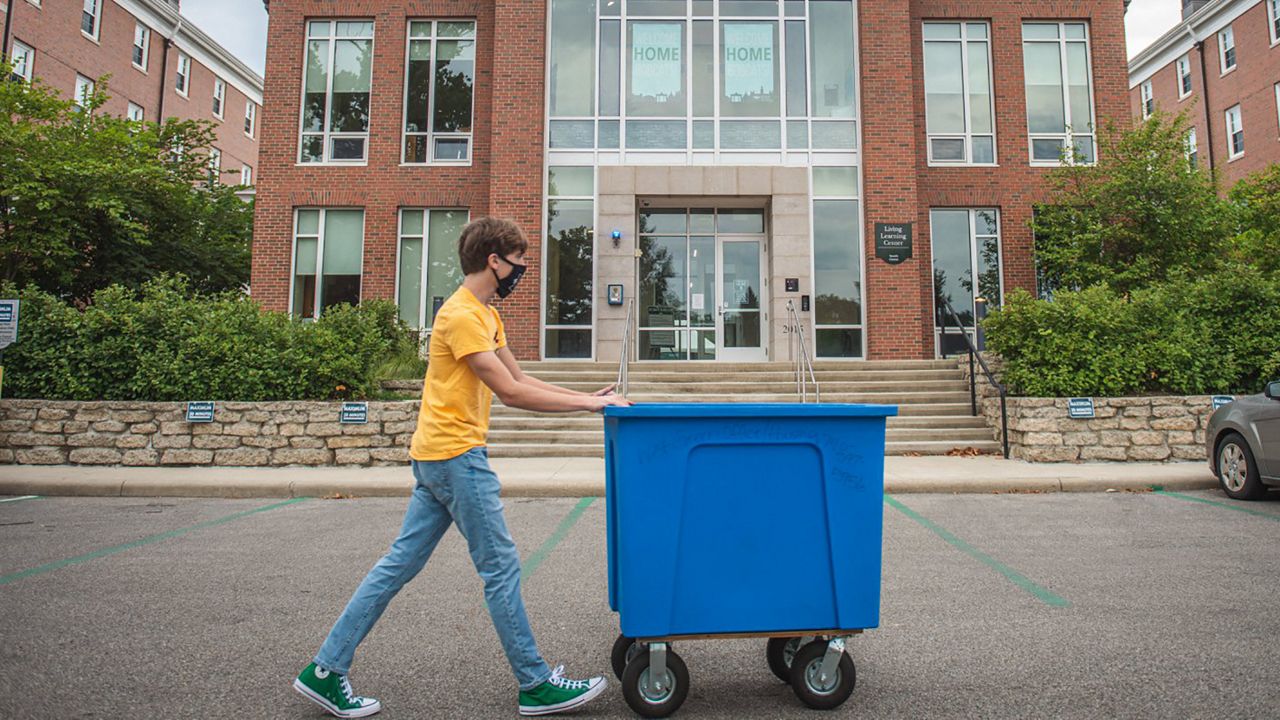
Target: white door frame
x,y
755,354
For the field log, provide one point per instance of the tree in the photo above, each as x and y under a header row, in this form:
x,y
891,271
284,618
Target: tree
x,y
1137,216
88,199
1255,206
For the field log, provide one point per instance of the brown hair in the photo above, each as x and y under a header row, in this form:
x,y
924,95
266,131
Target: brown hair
x,y
488,236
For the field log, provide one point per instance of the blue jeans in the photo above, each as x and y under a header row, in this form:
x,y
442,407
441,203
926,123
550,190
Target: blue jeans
x,y
462,490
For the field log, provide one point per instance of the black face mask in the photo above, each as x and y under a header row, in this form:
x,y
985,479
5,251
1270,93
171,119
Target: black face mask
x,y
507,285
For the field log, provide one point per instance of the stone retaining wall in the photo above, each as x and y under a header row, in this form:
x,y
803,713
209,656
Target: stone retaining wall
x,y
40,432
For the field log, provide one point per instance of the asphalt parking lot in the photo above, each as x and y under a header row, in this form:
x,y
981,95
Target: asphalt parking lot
x,y
995,606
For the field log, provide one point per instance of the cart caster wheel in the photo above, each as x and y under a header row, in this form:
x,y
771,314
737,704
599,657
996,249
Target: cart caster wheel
x,y
806,678
655,697
624,649
779,653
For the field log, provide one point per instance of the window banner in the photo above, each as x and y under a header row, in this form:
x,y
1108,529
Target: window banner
x,y
656,59
748,60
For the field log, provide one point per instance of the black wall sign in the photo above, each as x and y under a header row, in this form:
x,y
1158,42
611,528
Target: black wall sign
x,y
893,242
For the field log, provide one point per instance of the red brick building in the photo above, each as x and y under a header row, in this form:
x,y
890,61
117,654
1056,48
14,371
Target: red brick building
x,y
710,160
1221,66
158,63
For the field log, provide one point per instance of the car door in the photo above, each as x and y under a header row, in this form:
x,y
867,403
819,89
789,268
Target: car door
x,y
1266,421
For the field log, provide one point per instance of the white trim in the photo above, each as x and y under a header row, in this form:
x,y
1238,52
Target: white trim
x,y
1278,104
319,236
326,134
1193,145
96,35
1148,100
29,58
431,135
146,47
1178,65
1184,37
84,88
1232,128
1069,133
968,136
251,117
246,175
183,68
1273,21
219,98
973,266
423,327
1223,36
140,114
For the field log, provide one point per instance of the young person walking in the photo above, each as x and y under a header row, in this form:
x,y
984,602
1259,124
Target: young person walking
x,y
468,363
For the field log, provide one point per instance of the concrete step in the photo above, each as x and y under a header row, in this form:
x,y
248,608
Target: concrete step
x,y
507,450
883,398
596,437
725,387
914,410
580,421
684,365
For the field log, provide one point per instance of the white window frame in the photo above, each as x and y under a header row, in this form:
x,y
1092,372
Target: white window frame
x,y
219,98
1068,135
1184,64
1227,36
215,166
1148,100
965,41
1273,20
145,32
974,238
246,175
250,118
1235,125
82,84
319,236
423,328
97,20
330,135
184,72
431,134
135,112
1278,105
1193,147
28,54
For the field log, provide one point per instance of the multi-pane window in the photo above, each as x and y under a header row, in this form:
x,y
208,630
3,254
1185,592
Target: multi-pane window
x,y
570,261
1273,16
1184,76
219,97
141,46
1278,103
958,98
84,91
966,268
837,263
250,118
182,78
23,59
328,255
90,18
135,112
1227,50
428,271
737,75
1193,148
1235,133
246,175
439,91
215,166
1059,92
335,104
1148,100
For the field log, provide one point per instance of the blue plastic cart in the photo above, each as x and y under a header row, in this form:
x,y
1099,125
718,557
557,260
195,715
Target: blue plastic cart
x,y
743,520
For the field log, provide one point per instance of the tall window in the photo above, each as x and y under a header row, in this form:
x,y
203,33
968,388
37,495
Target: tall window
x,y
957,91
335,106
570,261
215,166
328,254
246,175
219,97
837,263
1148,100
1278,103
739,75
1184,76
1273,15
1059,92
84,91
141,46
23,59
1193,148
439,91
250,118
135,112
182,80
966,267
428,271
1227,50
91,18
1235,133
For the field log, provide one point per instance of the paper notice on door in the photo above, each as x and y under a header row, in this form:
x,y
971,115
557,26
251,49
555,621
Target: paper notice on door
x,y
698,302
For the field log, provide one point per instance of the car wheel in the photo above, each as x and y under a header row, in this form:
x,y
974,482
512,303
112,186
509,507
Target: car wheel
x,y
1237,471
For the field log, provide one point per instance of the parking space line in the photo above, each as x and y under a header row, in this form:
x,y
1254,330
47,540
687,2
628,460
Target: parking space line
x,y
16,499
1216,503
48,567
1044,595
541,554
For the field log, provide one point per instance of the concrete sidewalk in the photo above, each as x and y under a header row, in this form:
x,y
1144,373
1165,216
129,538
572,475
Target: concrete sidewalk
x,y
578,477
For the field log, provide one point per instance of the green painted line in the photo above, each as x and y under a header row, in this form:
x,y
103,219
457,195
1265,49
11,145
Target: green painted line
x,y
541,554
1013,576
59,564
1216,503
17,499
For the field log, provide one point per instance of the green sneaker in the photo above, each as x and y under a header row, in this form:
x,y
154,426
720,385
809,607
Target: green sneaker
x,y
332,692
558,694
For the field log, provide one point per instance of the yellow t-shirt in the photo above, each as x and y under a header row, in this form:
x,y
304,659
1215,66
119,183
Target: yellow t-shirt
x,y
454,416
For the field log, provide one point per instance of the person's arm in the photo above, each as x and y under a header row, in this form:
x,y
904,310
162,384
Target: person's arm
x,y
509,360
493,372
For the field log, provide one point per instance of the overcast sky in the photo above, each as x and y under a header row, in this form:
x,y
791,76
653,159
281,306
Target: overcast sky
x,y
241,25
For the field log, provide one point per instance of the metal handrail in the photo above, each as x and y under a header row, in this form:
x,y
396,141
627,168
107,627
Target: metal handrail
x,y
624,361
804,364
945,309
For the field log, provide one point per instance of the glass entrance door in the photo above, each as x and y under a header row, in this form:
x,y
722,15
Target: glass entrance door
x,y
701,282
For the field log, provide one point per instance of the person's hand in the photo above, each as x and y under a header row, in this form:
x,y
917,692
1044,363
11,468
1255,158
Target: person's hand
x,y
600,402
605,391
